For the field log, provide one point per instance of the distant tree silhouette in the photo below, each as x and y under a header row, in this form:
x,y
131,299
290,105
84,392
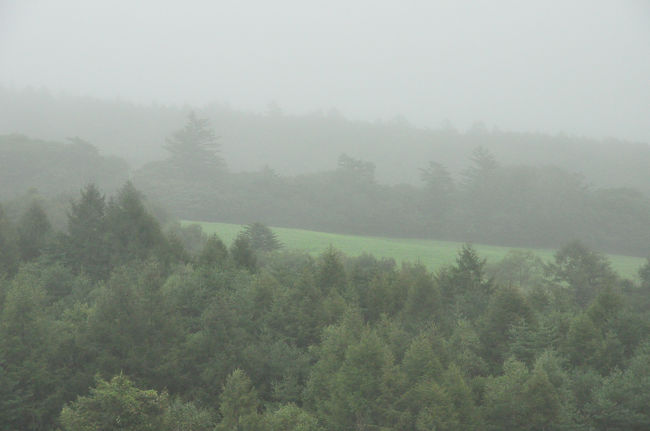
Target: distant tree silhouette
x,y
194,148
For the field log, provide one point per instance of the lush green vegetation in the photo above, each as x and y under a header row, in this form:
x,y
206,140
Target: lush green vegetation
x,y
113,317
433,254
115,322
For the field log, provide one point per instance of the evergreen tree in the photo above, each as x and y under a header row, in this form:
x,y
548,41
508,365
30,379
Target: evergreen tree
x,y
133,233
8,247
621,403
644,275
239,405
181,416
194,149
116,405
33,232
242,253
262,238
290,417
214,253
26,338
586,272
507,307
465,287
330,274
87,249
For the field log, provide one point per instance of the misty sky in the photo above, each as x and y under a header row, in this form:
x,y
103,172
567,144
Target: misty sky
x,y
580,67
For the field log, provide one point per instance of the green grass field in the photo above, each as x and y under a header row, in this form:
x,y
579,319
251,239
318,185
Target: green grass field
x,y
433,254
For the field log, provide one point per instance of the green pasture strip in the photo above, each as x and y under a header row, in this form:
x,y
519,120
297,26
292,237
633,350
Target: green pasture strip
x,y
433,254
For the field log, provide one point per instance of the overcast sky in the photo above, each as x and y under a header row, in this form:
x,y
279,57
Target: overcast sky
x,y
580,66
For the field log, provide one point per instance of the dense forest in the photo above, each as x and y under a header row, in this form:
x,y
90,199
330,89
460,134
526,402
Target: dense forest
x,y
488,202
324,216
114,316
116,322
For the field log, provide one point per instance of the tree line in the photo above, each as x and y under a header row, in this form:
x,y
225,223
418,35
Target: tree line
x,y
490,202
311,142
116,322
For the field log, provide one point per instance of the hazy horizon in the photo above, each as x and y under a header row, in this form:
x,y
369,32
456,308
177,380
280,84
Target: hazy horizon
x,y
580,68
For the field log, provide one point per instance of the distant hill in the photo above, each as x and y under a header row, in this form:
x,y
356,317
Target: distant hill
x,y
54,168
310,143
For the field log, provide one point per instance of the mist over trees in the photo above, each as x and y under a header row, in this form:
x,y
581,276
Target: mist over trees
x,y
55,167
107,311
488,201
294,145
440,221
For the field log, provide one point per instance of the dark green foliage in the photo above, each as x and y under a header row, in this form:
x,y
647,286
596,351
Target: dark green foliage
x,y
423,304
187,417
28,343
644,274
298,343
87,246
128,329
527,340
242,253
8,246
291,418
503,405
132,233
584,341
586,272
262,238
375,286
33,232
519,268
423,358
214,253
465,287
621,403
507,308
330,274
353,383
117,404
239,404
464,349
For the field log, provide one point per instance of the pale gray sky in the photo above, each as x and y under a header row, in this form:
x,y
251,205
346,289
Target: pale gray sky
x,y
580,67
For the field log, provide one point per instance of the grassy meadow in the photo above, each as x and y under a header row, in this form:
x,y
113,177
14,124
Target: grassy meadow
x,y
433,254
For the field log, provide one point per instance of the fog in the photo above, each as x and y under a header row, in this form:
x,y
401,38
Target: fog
x,y
577,67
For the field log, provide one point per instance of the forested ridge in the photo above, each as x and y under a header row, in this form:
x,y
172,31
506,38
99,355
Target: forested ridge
x,y
303,144
488,202
118,322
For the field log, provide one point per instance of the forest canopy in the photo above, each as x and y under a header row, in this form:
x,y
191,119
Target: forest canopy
x,y
117,317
